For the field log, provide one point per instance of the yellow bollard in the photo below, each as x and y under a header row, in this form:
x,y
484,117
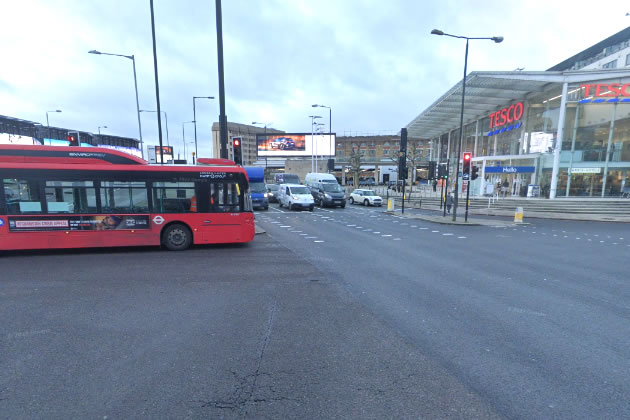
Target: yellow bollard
x,y
518,215
390,204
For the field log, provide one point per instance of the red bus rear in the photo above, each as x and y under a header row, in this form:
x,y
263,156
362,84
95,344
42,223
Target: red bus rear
x,y
73,197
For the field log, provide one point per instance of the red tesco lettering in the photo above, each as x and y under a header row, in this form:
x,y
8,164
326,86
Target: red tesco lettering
x,y
506,115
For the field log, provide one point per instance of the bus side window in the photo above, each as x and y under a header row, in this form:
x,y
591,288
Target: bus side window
x,y
124,197
174,197
71,196
22,196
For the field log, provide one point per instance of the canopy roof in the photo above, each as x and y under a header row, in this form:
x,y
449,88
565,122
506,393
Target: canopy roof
x,y
487,92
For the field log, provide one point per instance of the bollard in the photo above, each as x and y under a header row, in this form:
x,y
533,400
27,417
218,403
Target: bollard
x,y
390,204
518,215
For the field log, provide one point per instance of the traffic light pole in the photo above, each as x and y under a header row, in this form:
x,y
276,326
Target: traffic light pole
x,y
467,196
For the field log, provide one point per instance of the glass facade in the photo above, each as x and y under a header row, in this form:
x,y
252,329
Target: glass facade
x,y
595,149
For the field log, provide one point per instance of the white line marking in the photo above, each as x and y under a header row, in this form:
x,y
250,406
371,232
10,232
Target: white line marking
x,y
310,237
447,234
358,227
424,228
461,237
413,226
285,226
385,235
376,232
434,231
303,234
350,225
318,241
397,239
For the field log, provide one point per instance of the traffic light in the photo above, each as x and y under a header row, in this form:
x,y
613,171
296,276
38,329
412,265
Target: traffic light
x,y
431,176
475,173
402,166
466,166
403,140
73,139
442,171
238,153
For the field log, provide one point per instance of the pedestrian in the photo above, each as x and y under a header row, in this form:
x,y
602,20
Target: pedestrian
x,y
449,202
434,185
506,187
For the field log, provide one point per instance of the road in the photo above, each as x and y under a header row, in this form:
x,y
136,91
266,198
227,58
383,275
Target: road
x,y
534,318
347,313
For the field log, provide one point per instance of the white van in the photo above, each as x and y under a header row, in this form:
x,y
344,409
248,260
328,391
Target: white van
x,y
313,177
295,196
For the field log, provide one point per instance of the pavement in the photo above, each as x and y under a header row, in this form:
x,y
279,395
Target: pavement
x,y
446,220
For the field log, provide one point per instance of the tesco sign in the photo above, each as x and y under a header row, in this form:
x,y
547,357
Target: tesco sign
x,y
607,90
506,115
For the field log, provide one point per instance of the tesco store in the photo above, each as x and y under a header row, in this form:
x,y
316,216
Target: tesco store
x,y
552,134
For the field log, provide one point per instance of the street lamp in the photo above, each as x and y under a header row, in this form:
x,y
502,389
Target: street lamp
x,y
195,117
48,123
184,138
329,120
135,82
266,125
312,117
496,39
99,128
165,118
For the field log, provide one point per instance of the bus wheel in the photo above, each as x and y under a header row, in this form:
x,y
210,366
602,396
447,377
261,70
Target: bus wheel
x,y
177,237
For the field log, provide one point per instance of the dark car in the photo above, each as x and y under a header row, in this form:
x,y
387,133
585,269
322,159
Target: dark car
x,y
272,192
283,143
328,194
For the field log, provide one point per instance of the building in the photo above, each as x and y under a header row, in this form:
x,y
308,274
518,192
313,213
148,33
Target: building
x,y
30,132
565,132
248,145
611,53
379,156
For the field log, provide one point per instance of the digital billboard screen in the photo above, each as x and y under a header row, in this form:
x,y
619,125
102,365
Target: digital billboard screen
x,y
295,144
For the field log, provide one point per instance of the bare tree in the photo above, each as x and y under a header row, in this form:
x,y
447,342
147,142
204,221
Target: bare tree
x,y
355,166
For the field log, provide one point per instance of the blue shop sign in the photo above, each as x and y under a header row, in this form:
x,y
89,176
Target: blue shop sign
x,y
510,169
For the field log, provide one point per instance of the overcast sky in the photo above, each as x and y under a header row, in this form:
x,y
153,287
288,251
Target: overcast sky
x,y
373,61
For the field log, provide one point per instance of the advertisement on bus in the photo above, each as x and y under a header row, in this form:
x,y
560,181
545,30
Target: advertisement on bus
x,y
295,144
101,222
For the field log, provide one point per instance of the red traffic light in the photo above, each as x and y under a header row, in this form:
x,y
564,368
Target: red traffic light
x,y
71,139
237,142
467,156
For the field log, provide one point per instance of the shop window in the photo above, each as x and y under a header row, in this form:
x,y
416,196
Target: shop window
x,y
628,60
610,65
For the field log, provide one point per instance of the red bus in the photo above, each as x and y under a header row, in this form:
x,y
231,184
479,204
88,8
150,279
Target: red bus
x,y
75,197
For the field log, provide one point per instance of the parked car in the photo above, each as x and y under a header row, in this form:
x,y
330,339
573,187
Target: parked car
x,y
283,143
365,197
272,192
295,196
328,194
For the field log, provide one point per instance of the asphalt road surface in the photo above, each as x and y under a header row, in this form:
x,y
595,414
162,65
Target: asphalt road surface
x,y
347,313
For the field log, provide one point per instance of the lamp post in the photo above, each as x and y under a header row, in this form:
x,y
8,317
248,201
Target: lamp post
x,y
165,119
266,125
99,128
135,82
195,117
496,39
312,117
47,122
184,138
329,118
